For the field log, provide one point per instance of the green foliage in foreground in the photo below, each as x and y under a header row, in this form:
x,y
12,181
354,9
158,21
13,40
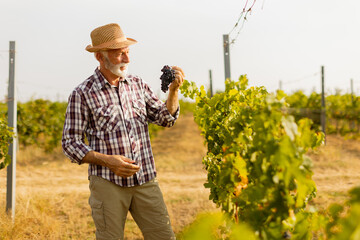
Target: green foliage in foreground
x,y
344,223
216,226
340,222
257,169
258,172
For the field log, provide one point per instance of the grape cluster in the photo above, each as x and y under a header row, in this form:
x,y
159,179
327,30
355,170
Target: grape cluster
x,y
167,77
287,235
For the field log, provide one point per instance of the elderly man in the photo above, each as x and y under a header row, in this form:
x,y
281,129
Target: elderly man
x,y
112,110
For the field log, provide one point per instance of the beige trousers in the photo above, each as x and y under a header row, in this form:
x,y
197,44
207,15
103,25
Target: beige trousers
x,y
110,204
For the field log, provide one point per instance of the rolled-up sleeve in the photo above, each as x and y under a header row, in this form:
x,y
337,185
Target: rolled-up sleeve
x,y
76,120
157,111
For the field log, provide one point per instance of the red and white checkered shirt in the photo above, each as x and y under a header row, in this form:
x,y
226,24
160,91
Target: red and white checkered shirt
x,y
115,122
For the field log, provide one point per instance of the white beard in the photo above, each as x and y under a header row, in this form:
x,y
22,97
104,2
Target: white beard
x,y
115,68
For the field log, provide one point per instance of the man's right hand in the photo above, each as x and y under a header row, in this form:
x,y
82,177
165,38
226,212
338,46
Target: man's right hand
x,y
120,165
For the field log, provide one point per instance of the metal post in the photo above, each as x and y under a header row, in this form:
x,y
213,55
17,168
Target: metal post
x,y
226,55
12,117
323,105
280,85
211,87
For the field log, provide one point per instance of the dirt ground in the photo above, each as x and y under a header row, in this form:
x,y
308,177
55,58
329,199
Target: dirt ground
x,y
52,193
336,170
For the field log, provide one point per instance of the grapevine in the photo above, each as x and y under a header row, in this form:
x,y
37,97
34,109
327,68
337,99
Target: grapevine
x,y
258,172
342,111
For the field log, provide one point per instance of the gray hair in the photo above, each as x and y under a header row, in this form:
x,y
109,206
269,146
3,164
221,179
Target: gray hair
x,y
102,52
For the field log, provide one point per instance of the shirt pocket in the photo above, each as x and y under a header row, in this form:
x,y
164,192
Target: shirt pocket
x,y
107,118
139,111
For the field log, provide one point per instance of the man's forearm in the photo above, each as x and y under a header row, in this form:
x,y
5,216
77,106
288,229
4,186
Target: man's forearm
x,y
95,158
120,165
172,102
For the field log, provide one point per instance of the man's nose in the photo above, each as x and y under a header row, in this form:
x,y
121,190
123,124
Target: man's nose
x,y
125,58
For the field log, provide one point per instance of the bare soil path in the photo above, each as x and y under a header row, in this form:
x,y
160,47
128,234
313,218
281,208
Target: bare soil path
x,y
336,170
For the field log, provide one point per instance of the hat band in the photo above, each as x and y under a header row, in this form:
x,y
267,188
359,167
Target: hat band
x,y
105,44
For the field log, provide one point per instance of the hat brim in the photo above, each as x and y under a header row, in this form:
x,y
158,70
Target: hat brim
x,y
126,43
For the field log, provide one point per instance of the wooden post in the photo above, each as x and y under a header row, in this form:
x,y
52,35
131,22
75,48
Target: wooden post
x,y
323,105
12,121
226,56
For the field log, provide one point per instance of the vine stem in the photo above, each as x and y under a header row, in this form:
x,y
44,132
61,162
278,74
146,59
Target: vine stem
x,y
205,101
236,213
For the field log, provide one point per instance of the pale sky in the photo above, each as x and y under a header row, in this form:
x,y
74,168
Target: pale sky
x,y
283,40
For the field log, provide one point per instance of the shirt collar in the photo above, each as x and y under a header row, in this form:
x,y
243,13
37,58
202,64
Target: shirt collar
x,y
101,81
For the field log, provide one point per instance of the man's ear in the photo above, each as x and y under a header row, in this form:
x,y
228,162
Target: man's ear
x,y
99,57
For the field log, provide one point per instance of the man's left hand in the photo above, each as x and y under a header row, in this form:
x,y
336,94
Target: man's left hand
x,y
179,78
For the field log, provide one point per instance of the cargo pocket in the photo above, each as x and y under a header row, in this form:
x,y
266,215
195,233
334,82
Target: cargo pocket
x,y
97,212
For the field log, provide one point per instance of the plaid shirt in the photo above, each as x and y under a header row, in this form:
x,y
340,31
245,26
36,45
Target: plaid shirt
x,y
115,122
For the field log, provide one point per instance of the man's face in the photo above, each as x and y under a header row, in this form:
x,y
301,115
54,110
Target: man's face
x,y
117,61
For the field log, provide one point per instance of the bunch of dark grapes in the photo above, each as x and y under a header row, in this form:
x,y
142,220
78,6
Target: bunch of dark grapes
x,y
287,235
167,77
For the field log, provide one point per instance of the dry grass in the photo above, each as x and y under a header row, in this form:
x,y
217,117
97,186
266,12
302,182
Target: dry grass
x,y
52,193
51,200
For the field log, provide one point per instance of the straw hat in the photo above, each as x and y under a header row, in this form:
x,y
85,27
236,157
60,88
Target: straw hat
x,y
107,37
